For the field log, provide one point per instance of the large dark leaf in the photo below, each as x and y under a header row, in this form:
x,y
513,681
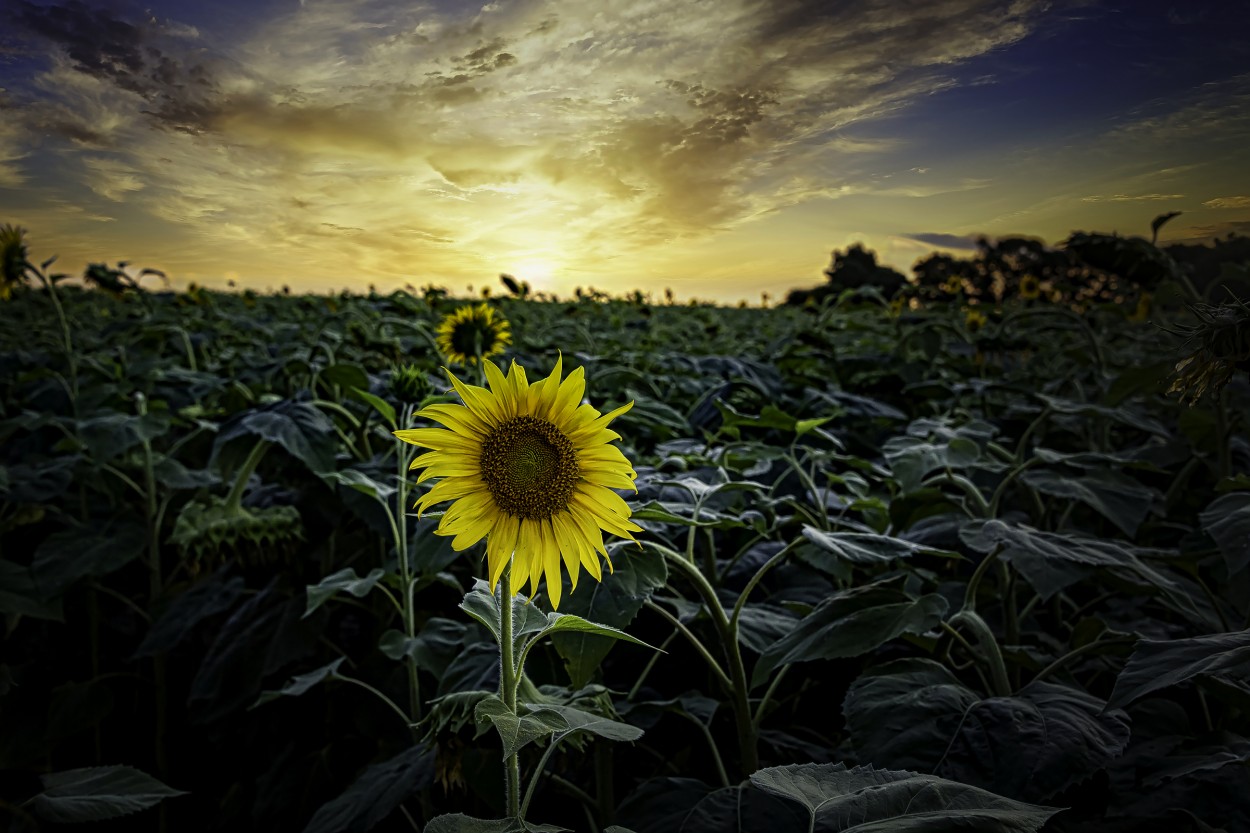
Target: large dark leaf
x,y
376,793
97,793
1155,665
1116,496
299,427
913,713
1037,743
460,823
67,556
231,673
110,435
855,547
208,598
1051,561
864,799
851,623
904,713
1227,520
614,602
19,594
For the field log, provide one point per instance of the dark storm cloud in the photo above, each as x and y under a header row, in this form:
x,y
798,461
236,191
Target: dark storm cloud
x,y
127,56
945,241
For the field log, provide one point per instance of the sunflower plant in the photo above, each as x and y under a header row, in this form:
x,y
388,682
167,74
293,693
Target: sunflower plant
x,y
472,334
529,469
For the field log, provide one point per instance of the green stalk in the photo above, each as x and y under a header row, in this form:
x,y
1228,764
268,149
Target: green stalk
x,y
740,688
154,585
507,688
990,654
235,499
407,610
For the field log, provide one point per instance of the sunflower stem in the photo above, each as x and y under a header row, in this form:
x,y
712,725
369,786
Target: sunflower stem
x,y
399,525
235,498
507,688
728,630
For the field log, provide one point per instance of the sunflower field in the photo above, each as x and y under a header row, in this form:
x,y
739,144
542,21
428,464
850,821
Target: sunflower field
x,y
843,566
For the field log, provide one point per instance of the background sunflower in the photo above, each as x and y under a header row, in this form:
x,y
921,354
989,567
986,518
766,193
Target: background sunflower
x,y
472,332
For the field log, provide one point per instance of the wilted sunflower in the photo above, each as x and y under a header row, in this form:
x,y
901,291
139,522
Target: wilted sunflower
x,y
1030,287
531,469
13,263
471,332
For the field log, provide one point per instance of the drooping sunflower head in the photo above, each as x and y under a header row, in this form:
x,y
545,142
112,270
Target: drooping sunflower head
x,y
530,468
471,332
1030,287
13,262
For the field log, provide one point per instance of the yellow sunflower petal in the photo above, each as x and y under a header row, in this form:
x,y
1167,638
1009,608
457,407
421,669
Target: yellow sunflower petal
x,y
551,563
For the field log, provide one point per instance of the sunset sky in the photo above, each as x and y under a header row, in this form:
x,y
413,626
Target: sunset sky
x,y
719,148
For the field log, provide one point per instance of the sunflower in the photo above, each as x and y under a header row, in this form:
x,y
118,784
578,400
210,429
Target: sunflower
x,y
1030,287
952,285
530,468
974,319
13,262
472,332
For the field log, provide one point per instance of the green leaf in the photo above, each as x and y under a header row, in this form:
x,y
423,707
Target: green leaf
x,y
614,602
1227,520
576,720
346,375
113,434
568,623
299,427
1051,561
460,823
72,554
96,794
174,475
300,683
1114,495
1036,744
210,597
851,623
864,799
804,425
1157,664
904,713
344,580
517,731
19,595
483,606
380,405
361,482
855,547
376,793
683,514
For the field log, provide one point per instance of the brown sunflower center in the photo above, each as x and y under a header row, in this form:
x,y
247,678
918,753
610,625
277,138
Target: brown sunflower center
x,y
530,468
471,336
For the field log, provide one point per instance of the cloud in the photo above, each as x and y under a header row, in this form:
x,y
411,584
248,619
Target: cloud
x,y
944,241
110,178
1133,198
1228,202
1208,233
404,139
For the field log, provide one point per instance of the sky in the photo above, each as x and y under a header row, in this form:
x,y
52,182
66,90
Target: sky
x,y
720,148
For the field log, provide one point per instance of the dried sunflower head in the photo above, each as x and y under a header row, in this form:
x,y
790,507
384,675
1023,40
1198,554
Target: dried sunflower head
x,y
1222,336
13,262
